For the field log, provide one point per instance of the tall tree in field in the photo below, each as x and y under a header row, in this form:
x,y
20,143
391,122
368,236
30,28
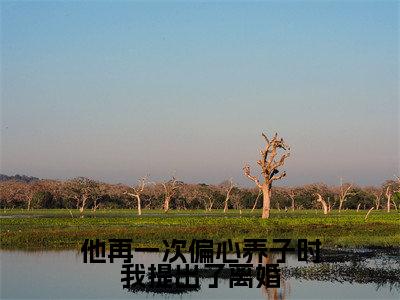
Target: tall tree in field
x,y
269,169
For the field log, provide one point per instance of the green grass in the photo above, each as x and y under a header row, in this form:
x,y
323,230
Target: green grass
x,y
57,229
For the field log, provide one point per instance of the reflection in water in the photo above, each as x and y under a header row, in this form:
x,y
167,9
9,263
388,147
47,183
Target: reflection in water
x,y
280,293
50,275
342,267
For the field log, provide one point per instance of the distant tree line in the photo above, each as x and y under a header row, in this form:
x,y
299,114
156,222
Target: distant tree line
x,y
83,193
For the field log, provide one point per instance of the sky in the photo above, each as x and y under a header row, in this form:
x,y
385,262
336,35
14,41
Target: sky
x,y
118,90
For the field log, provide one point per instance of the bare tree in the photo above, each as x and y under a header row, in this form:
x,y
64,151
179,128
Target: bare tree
x,y
269,169
201,194
331,206
369,211
392,190
344,191
292,195
375,193
208,202
324,205
237,203
396,192
255,202
170,188
82,190
388,194
138,191
228,190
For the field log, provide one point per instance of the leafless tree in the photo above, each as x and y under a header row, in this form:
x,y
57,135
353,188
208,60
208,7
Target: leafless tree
x,y
208,202
170,188
324,205
388,194
344,191
237,202
228,190
269,169
369,211
255,202
331,206
292,195
392,190
138,191
376,193
82,190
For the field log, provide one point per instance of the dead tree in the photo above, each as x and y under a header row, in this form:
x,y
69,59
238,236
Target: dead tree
x,y
369,211
396,193
392,190
228,194
138,191
208,202
269,169
82,190
170,188
255,202
324,205
377,195
343,193
331,206
388,194
292,194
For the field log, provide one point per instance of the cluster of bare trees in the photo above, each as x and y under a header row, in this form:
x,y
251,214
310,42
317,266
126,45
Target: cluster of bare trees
x,y
83,193
80,194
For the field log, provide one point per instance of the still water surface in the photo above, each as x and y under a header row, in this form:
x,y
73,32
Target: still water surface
x,y
62,275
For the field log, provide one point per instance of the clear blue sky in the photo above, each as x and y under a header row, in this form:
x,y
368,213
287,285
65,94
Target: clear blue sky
x,y
117,90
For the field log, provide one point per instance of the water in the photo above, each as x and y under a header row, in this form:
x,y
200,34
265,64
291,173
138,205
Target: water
x,y
62,275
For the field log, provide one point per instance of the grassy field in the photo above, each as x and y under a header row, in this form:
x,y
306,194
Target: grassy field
x,y
58,229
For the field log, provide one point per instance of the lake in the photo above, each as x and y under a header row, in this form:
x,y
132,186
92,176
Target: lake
x,y
63,275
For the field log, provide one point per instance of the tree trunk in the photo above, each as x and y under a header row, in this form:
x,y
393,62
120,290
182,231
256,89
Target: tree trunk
x,y
139,206
266,202
95,205
394,204
255,203
166,204
83,204
226,205
377,203
324,205
358,206
366,216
